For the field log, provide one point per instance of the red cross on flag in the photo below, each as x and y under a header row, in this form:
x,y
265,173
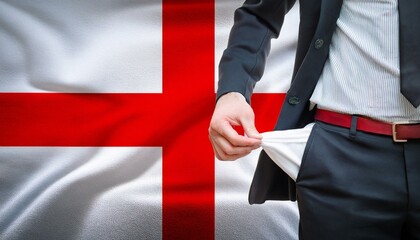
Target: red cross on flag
x,y
104,110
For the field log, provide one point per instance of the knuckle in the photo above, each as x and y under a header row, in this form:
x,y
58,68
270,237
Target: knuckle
x,y
236,142
223,157
229,150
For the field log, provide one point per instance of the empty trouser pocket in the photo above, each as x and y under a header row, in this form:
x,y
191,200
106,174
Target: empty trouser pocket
x,y
286,147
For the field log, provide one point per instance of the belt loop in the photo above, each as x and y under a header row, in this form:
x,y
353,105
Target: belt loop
x,y
353,127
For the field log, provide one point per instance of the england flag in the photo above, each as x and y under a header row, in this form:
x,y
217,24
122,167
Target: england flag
x,y
104,110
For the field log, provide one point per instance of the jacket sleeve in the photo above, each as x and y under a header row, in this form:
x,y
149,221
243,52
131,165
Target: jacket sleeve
x,y
243,62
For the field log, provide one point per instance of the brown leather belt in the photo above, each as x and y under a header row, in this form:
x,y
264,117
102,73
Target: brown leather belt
x,y
400,131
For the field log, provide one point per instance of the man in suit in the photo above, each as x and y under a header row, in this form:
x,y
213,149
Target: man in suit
x,y
357,76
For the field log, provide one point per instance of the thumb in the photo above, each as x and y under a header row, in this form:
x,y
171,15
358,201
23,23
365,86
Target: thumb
x,y
250,130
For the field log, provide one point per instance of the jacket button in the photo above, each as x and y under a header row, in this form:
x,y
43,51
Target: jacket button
x,y
319,43
294,100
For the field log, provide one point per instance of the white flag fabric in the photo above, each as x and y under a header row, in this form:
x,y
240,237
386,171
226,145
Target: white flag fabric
x,y
84,47
113,192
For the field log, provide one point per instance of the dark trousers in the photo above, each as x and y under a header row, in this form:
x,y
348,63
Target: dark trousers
x,y
356,185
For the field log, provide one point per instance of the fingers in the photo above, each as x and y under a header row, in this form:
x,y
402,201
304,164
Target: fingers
x,y
229,145
249,128
232,110
223,130
225,151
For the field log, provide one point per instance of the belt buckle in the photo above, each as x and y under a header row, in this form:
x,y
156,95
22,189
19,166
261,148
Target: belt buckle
x,y
394,129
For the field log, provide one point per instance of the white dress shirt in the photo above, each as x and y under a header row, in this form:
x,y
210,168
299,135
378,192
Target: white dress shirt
x,y
361,75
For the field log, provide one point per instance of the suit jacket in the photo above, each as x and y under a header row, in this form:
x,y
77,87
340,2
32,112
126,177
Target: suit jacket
x,y
243,62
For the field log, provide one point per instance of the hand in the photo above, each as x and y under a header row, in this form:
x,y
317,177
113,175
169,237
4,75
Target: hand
x,y
233,110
